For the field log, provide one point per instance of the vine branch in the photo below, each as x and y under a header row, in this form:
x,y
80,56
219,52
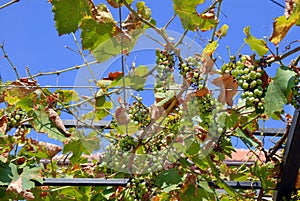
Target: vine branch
x,y
9,61
9,3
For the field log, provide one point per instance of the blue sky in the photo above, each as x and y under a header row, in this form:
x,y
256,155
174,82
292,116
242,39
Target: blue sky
x,y
30,38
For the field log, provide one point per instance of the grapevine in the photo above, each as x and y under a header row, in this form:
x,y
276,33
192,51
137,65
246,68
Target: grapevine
x,y
249,77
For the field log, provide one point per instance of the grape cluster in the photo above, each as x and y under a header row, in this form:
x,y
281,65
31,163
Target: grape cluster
x,y
295,90
201,106
15,117
139,113
127,143
136,190
249,78
164,68
192,71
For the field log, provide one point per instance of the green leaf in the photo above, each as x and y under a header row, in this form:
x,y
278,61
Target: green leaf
x,y
7,173
27,103
68,14
80,144
193,148
136,80
95,34
246,139
258,45
169,177
29,174
190,18
279,90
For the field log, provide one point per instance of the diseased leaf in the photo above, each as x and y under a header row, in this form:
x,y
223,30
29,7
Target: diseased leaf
x,y
258,45
19,89
3,124
55,118
282,24
228,88
69,13
190,18
279,90
42,123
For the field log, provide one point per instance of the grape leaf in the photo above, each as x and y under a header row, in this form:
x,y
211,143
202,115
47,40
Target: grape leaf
x,y
246,139
80,144
66,96
282,24
228,88
68,14
168,177
222,31
279,90
94,33
190,18
258,45
42,123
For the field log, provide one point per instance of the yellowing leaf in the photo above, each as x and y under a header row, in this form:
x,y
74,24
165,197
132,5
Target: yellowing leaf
x,y
190,18
258,45
222,31
282,24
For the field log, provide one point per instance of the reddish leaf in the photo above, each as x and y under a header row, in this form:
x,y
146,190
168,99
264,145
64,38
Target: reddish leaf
x,y
113,3
201,92
265,80
113,76
3,124
228,87
122,116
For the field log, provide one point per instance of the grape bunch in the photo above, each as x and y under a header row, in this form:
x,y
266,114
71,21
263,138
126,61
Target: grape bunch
x,y
249,78
192,71
127,143
201,106
164,68
139,114
136,189
15,117
295,90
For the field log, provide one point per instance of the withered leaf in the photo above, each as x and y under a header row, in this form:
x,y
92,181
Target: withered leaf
x,y
3,124
156,112
55,118
122,116
113,76
228,88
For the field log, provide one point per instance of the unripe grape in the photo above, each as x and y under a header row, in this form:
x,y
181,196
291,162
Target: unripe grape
x,y
245,85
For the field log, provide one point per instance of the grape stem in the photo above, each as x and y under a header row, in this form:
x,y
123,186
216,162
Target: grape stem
x,y
279,58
